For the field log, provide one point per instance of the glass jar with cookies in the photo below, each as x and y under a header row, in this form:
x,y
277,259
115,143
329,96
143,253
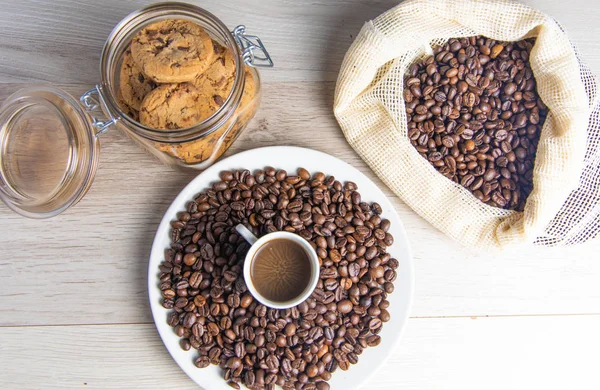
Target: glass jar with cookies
x,y
184,85
174,78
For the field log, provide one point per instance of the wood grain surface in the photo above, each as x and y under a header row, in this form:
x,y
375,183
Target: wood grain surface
x,y
436,353
73,298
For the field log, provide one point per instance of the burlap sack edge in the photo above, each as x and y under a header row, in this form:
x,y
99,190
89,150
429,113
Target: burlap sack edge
x,y
356,80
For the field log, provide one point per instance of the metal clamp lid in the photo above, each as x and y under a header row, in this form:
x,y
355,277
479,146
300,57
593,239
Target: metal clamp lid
x,y
91,101
254,52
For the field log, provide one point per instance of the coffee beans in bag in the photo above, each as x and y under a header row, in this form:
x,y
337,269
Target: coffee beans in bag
x,y
480,116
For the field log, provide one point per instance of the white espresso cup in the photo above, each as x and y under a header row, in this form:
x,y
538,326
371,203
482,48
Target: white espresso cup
x,y
258,243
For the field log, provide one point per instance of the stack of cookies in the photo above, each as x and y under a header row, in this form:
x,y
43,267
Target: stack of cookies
x,y
174,76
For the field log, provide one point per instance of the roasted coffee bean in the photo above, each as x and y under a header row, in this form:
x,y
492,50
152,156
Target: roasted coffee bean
x,y
233,301
373,341
189,259
213,329
246,301
490,116
202,362
322,385
344,306
375,323
213,312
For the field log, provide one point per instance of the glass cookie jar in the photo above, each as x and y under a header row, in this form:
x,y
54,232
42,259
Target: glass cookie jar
x,y
49,141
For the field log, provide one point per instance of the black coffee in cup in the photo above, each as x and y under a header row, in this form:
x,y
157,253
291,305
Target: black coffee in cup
x,y
281,270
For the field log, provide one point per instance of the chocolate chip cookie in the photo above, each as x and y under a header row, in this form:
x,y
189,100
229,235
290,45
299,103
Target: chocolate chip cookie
x,y
217,143
132,113
249,87
217,80
174,106
134,85
172,51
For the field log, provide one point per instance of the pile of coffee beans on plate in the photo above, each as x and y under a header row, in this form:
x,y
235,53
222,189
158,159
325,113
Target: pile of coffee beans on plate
x,y
213,312
474,113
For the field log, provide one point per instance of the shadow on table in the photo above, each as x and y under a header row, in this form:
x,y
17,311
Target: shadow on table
x,y
174,183
345,26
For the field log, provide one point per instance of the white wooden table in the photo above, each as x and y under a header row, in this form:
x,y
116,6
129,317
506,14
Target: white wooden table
x,y
73,302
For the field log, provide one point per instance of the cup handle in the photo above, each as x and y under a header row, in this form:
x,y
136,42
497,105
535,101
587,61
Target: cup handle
x,y
246,233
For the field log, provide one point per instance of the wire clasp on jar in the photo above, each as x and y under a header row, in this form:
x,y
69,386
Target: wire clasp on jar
x,y
254,52
91,101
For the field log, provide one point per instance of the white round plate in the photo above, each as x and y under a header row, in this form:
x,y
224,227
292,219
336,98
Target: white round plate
x,y
289,158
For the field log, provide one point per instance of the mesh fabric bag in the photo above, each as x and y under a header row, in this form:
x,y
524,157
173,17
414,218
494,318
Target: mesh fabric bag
x,y
564,205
